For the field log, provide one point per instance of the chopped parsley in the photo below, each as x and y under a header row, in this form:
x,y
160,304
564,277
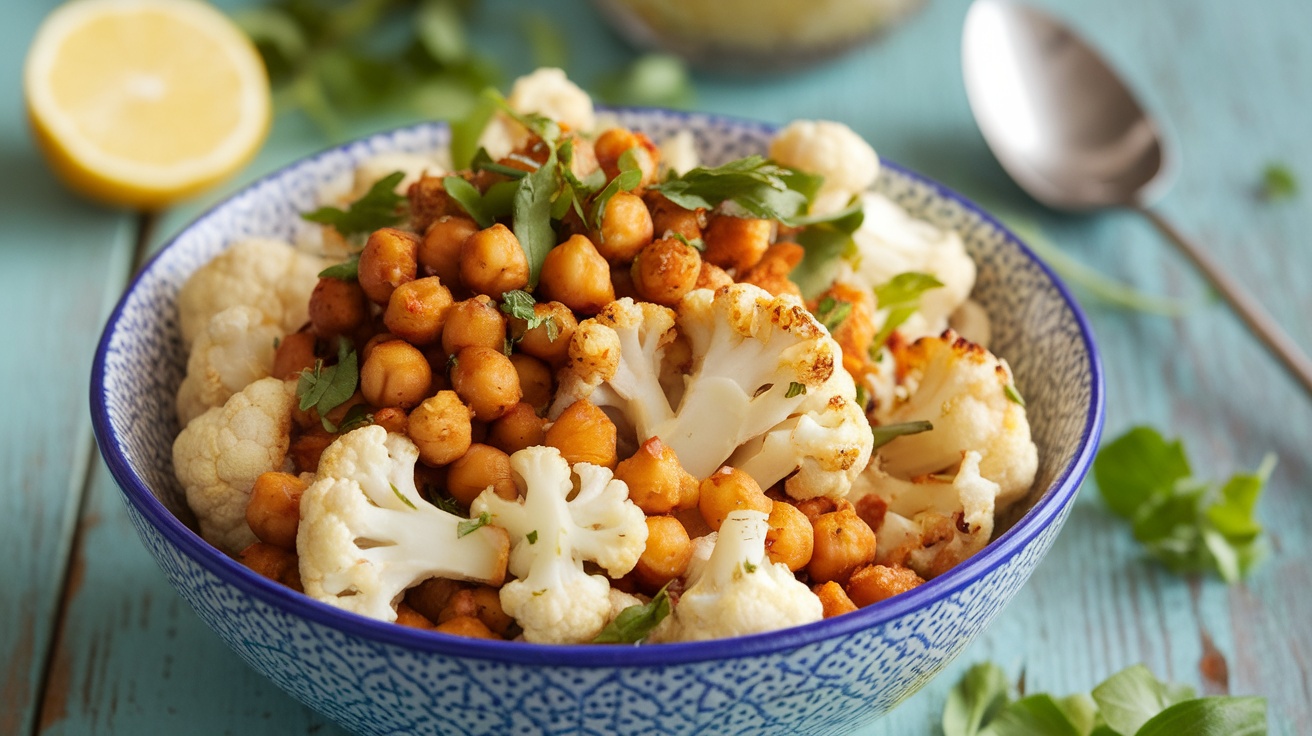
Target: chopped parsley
x,y
469,526
886,433
832,312
900,296
326,388
519,304
402,496
636,622
795,389
1013,395
380,207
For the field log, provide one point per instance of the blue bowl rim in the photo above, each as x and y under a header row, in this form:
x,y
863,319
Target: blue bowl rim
x,y
1047,510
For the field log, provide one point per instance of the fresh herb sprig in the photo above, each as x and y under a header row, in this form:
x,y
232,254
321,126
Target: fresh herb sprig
x,y
519,304
1131,702
379,207
636,622
1189,524
886,433
900,295
324,388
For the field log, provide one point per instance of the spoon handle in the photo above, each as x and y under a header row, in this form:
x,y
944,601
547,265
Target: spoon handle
x,y
1253,314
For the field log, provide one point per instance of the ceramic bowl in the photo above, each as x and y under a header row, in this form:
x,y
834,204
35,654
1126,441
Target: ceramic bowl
x,y
380,678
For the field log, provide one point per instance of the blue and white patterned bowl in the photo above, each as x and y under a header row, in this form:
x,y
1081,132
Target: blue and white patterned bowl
x,y
378,678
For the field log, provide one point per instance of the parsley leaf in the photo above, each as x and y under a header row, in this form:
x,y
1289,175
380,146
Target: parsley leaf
x,y
532,537
886,433
755,184
629,176
1189,524
1013,395
532,215
831,312
468,197
1278,182
469,526
380,207
446,503
519,304
695,243
466,131
357,416
348,270
901,297
402,496
636,622
795,389
326,388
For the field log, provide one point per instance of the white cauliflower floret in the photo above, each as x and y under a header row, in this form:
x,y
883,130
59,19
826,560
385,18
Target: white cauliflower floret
x,y
545,91
679,154
553,599
375,168
962,389
269,275
763,390
832,150
739,591
890,242
933,523
366,535
220,453
234,350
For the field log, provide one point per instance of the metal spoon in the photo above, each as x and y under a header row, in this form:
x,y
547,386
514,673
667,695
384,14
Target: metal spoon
x,y
1070,132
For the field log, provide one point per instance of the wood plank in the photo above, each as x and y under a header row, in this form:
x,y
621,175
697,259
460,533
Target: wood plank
x,y
65,261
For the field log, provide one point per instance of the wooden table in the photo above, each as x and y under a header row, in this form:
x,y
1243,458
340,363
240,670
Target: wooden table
x,y
92,639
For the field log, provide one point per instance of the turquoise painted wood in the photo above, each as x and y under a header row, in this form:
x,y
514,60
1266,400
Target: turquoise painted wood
x,y
1230,82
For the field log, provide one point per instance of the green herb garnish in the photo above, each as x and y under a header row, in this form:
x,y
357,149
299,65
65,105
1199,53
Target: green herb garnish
x,y
1131,702
1190,525
1013,395
326,388
357,416
753,183
1278,182
470,199
469,526
380,207
532,215
629,176
886,433
532,537
348,270
795,389
402,496
636,622
749,566
695,243
900,296
519,304
826,244
447,504
831,312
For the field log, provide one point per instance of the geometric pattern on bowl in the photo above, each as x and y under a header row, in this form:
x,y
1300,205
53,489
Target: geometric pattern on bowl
x,y
377,678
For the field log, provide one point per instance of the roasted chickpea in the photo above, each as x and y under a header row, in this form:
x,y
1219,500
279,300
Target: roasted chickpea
x,y
483,466
790,540
729,489
874,583
621,280
833,599
538,341
387,261
576,275
665,271
273,562
468,626
306,448
430,202
534,380
657,483
516,429
474,322
843,543
395,374
668,218
392,419
813,508
492,262
625,227
439,251
337,307
771,272
482,603
432,596
584,434
374,342
667,553
407,616
417,310
440,428
614,142
274,509
736,243
712,277
486,380
294,354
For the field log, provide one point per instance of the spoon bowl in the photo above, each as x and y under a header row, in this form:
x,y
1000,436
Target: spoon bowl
x,y
1070,132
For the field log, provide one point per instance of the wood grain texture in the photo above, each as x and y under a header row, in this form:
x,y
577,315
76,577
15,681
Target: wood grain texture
x,y
1229,83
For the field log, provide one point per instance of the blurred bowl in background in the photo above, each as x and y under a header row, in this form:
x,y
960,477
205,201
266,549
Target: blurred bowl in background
x,y
753,36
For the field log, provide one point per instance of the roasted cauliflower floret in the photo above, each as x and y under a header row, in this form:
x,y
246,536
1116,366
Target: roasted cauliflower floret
x,y
234,350
848,164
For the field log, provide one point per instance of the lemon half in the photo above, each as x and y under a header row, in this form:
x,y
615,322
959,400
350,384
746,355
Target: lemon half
x,y
143,102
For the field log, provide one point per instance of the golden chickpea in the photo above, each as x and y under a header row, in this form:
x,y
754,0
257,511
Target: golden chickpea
x,y
374,342
813,508
305,449
482,603
736,243
613,143
669,218
417,310
666,556
487,381
621,279
729,489
483,466
534,381
395,374
790,540
294,354
712,277
492,262
274,509
874,583
387,261
429,202
537,341
337,307
440,428
625,227
407,616
843,543
576,275
273,562
474,322
833,599
584,434
467,626
665,271
430,597
516,429
657,483
392,419
439,251
771,272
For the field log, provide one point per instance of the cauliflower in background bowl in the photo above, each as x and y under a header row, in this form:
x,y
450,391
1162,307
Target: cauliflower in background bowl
x,y
813,675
